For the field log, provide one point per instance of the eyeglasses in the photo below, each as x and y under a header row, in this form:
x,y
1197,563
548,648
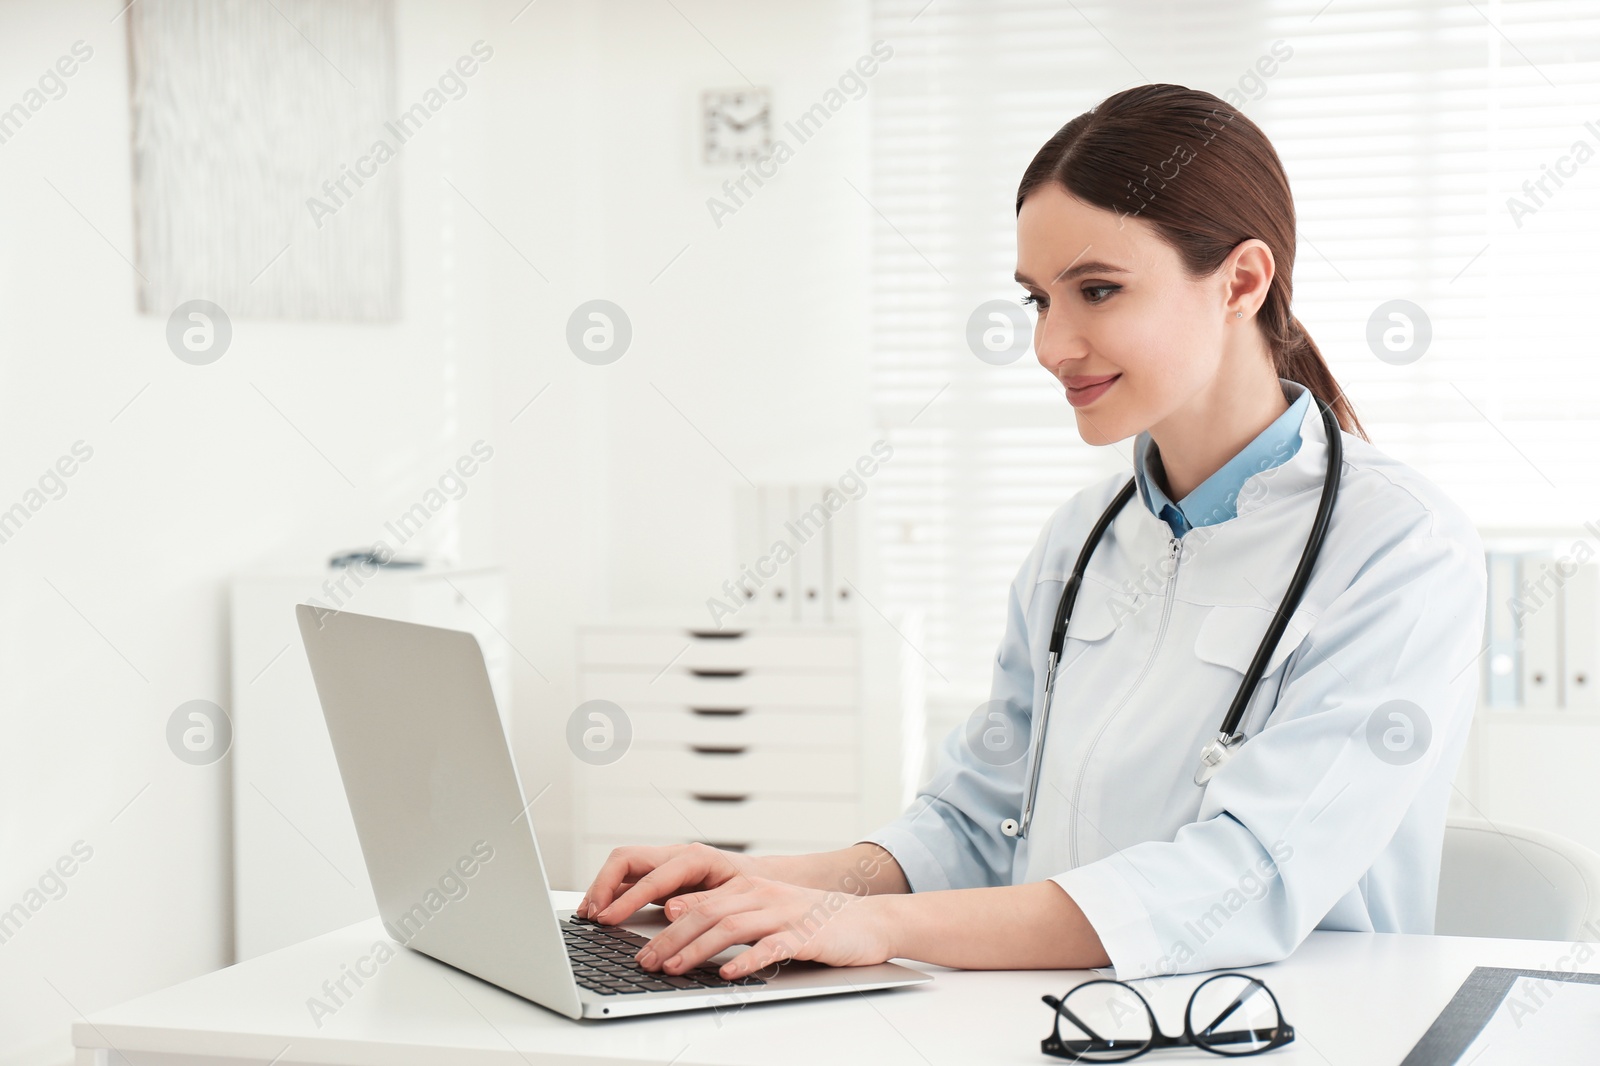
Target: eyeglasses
x,y
1110,1021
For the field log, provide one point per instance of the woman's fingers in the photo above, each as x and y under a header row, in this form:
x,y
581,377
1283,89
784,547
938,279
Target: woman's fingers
x,y
780,920
582,909
692,914
659,883
634,876
691,866
745,926
763,955
625,864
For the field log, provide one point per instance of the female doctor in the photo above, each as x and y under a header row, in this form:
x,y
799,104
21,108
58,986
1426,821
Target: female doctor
x,y
1155,237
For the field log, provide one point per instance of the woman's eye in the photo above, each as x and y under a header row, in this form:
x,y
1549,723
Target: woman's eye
x,y
1031,300
1104,289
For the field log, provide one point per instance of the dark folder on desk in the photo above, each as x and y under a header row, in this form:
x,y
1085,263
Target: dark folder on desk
x,y
1474,1003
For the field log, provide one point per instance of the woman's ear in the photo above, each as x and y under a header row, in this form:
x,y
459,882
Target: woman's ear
x,y
1247,276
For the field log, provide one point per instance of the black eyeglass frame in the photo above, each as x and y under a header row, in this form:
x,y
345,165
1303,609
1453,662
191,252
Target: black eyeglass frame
x,y
1053,1044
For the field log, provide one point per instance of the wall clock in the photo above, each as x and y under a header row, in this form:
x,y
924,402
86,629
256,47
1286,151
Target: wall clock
x,y
736,125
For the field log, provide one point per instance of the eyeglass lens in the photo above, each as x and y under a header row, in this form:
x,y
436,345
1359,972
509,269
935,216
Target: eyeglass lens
x,y
1233,1014
1103,1021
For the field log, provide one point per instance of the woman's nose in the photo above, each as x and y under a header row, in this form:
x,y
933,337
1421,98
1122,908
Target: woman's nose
x,y
1057,344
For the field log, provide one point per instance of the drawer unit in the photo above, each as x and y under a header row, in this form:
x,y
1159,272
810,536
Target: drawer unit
x,y
750,741
728,688
800,727
791,651
695,815
723,769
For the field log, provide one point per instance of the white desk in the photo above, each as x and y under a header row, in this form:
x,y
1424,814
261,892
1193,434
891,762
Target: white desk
x,y
1352,997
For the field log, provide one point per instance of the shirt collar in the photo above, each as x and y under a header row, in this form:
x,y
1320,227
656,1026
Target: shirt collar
x,y
1216,498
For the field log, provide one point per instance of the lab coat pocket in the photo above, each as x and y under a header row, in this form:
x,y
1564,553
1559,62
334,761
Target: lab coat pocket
x,y
1096,614
1230,633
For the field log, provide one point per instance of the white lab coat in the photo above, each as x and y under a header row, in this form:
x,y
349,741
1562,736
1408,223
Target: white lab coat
x,y
1330,815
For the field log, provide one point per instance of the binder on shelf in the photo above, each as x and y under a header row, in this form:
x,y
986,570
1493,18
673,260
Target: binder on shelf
x,y
749,518
842,555
816,529
1501,669
780,587
811,562
1536,613
1581,637
824,612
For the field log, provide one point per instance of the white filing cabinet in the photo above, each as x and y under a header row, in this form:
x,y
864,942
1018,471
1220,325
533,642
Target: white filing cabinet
x,y
745,739
298,870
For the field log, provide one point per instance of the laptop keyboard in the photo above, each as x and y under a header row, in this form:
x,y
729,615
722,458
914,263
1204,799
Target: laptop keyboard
x,y
603,962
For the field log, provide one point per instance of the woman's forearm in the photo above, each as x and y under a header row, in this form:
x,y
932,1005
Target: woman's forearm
x,y
1015,927
861,869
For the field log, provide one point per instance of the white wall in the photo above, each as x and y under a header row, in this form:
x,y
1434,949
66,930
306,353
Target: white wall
x,y
577,145
756,332
198,478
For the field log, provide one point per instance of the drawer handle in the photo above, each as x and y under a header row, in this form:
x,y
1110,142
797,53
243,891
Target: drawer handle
x,y
719,749
721,797
701,672
724,711
716,634
724,845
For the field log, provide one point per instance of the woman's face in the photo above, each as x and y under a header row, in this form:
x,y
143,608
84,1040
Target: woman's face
x,y
1121,325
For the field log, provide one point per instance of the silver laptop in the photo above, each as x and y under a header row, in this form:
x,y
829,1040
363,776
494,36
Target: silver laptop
x,y
450,846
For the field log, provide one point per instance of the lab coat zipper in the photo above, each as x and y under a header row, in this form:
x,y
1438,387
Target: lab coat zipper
x,y
1176,554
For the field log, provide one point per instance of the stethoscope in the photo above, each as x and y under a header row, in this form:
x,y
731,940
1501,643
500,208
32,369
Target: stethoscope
x,y
1221,747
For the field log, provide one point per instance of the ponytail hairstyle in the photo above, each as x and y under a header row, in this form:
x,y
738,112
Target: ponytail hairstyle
x,y
1206,178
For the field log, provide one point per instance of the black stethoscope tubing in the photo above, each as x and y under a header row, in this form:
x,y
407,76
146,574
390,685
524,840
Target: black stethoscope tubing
x,y
1219,749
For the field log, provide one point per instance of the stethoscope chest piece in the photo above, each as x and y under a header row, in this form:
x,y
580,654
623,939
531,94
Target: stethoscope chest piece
x,y
1218,750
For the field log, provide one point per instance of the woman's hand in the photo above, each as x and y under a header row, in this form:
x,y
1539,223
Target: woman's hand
x,y
636,875
780,921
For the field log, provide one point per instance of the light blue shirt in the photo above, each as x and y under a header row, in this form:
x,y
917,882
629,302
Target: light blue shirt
x,y
1330,815
1215,498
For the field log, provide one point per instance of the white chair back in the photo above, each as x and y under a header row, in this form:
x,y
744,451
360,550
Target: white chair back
x,y
1501,880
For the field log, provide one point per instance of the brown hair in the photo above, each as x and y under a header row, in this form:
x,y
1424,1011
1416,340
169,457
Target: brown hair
x,y
1206,178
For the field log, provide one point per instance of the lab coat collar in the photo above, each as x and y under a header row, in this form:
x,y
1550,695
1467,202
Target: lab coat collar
x,y
1214,499
1141,537
1303,471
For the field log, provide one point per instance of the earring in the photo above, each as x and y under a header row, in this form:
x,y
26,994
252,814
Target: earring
x,y
1238,314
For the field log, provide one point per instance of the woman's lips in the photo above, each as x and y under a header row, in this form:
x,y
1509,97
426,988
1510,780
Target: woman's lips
x,y
1082,391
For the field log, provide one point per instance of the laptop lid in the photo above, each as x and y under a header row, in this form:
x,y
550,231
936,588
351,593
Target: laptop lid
x,y
438,808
